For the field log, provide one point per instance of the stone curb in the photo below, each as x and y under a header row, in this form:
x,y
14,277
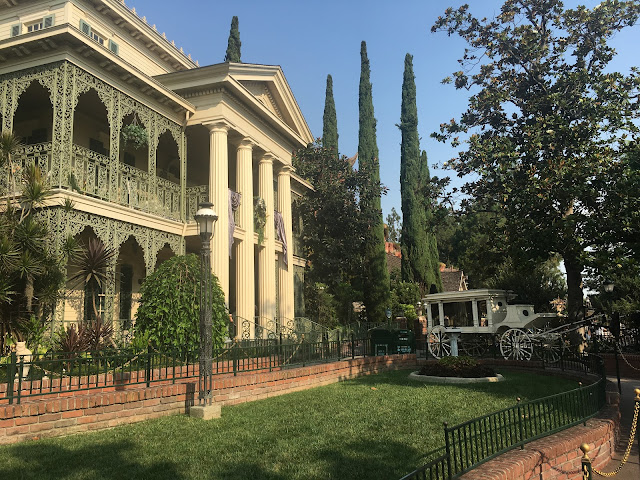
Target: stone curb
x,y
430,379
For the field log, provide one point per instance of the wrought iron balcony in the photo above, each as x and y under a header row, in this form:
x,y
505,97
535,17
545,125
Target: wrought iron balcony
x,y
91,174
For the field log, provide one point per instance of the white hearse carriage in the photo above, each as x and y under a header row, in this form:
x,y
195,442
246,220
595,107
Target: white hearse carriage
x,y
475,317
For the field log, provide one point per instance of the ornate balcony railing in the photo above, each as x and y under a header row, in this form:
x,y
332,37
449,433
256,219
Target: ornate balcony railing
x,y
196,195
39,153
92,174
168,196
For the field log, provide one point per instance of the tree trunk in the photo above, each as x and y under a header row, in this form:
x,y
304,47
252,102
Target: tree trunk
x,y
575,300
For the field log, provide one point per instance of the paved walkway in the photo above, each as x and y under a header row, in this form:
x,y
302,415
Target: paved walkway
x,y
631,470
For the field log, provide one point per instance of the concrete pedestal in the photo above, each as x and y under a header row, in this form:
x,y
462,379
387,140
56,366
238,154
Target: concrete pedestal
x,y
205,412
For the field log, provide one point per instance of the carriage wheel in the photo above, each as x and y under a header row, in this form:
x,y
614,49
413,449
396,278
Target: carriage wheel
x,y
549,347
515,344
473,345
439,342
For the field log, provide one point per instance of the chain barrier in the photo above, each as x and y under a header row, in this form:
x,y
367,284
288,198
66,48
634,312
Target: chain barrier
x,y
632,436
625,358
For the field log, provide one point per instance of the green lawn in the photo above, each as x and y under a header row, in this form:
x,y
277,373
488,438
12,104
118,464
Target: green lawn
x,y
347,430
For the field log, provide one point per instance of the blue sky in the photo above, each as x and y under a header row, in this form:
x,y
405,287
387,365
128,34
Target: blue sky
x,y
310,39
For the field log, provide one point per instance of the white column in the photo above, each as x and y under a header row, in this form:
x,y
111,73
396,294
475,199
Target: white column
x,y
441,313
218,195
267,251
285,269
474,307
245,293
429,318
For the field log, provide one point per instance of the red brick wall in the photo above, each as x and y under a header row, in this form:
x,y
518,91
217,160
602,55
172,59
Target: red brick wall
x,y
556,457
67,413
625,370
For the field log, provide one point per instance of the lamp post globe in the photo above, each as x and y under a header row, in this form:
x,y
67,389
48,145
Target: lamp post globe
x,y
206,219
608,286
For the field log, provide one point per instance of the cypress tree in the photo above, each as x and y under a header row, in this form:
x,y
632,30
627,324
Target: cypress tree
x,y
329,120
376,276
420,262
233,46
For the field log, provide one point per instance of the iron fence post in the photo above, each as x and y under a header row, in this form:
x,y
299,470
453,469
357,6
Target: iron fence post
x,y
147,372
20,373
615,351
234,359
339,346
586,462
11,377
447,448
520,425
353,347
173,360
562,359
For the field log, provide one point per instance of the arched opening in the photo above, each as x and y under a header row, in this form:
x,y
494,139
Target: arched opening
x,y
134,151
90,160
164,254
33,120
167,158
90,124
130,273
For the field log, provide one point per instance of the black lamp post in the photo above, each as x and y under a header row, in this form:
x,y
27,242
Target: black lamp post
x,y
206,219
614,328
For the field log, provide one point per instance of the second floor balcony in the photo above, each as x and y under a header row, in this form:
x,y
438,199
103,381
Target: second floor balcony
x,y
96,175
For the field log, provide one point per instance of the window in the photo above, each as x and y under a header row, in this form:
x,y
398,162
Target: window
x,y
91,33
96,37
113,46
34,27
16,30
44,22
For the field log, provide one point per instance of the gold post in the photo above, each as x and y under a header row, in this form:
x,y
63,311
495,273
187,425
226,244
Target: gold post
x,y
637,392
585,450
586,462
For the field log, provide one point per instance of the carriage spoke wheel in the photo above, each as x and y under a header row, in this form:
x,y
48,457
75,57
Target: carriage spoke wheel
x,y
549,348
473,345
439,342
515,344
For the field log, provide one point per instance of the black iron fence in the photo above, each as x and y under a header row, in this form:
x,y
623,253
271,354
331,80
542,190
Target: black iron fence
x,y
62,372
478,440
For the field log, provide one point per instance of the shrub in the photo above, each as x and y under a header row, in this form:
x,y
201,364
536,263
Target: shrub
x,y
169,309
466,367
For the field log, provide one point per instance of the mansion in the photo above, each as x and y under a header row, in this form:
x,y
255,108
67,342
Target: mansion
x,y
134,134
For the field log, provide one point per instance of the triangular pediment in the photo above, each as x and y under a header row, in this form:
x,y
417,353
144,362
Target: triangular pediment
x,y
264,95
269,86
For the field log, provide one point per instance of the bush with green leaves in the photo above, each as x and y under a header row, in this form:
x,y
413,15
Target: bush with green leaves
x,y
169,309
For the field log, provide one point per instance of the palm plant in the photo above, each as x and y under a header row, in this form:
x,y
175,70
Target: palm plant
x,y
92,268
9,145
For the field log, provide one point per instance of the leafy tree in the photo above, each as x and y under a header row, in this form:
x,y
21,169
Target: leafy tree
x,y
169,309
534,283
233,46
320,304
376,275
333,223
394,226
404,296
329,119
546,124
419,249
